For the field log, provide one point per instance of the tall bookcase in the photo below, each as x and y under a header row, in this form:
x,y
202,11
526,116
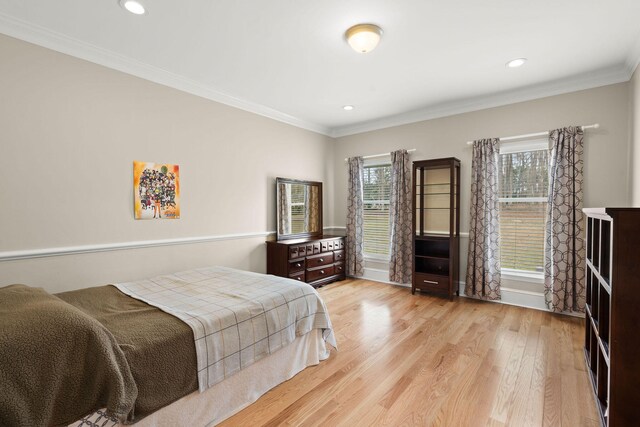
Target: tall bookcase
x,y
612,339
436,225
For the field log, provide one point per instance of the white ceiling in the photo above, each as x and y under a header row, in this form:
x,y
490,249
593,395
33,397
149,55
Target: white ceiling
x,y
287,59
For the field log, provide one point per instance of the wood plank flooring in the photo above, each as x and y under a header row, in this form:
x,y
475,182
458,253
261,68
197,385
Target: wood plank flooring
x,y
418,360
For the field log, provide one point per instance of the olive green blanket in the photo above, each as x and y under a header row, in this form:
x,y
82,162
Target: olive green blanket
x,y
64,356
158,346
57,364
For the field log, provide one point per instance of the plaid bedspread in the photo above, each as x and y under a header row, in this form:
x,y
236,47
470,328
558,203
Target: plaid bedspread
x,y
237,317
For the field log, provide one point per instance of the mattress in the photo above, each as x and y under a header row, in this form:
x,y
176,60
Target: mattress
x,y
234,393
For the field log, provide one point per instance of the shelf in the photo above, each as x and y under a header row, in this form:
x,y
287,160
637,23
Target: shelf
x,y
431,273
434,236
603,281
431,256
604,348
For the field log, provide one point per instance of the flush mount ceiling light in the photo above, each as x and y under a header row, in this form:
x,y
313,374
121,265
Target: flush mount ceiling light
x,y
515,63
363,38
347,107
133,6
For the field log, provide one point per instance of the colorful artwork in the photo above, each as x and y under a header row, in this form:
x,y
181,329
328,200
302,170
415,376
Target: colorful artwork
x,y
156,191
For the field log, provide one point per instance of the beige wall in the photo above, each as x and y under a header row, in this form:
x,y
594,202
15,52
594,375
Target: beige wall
x,y
606,149
70,130
634,125
69,133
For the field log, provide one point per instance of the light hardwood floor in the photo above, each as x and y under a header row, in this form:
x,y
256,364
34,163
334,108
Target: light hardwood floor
x,y
418,360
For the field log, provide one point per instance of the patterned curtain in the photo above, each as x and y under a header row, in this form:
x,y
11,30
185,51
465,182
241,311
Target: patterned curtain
x,y
355,214
284,206
313,208
400,207
307,208
483,265
564,287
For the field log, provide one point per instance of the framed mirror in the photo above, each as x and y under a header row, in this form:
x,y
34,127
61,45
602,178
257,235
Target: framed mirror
x,y
299,209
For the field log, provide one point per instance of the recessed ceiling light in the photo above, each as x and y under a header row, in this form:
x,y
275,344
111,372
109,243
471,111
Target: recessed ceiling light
x,y
348,107
515,63
133,6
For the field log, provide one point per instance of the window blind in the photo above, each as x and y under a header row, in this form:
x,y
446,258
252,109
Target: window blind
x,y
523,189
376,189
297,208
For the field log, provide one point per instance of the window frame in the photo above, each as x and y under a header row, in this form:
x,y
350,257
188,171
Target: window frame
x,y
378,161
525,145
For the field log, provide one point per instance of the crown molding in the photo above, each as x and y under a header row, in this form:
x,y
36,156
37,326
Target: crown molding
x,y
633,59
44,37
592,80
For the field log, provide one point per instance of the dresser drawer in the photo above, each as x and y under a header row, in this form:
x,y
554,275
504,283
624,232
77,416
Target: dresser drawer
x,y
338,256
319,260
293,252
338,268
296,266
431,282
319,273
297,276
340,244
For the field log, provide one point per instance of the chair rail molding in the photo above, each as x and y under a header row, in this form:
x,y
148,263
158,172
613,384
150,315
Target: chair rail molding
x,y
105,247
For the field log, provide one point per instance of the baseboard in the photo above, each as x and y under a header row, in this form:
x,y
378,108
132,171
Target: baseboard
x,y
379,275
517,297
510,296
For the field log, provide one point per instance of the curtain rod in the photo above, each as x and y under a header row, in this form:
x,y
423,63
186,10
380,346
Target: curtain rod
x,y
532,135
373,156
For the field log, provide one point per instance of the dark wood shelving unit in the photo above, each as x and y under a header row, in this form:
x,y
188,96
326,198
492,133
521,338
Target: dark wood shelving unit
x,y
612,280
436,224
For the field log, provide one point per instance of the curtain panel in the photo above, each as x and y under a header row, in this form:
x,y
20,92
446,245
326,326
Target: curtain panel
x,y
355,218
284,221
400,207
483,264
312,209
564,235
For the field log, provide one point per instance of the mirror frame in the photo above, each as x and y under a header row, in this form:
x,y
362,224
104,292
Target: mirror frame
x,y
315,234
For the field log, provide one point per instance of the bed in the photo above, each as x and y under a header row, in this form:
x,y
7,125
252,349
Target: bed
x,y
189,348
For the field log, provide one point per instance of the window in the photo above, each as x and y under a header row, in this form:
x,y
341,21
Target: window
x,y
297,213
376,188
523,189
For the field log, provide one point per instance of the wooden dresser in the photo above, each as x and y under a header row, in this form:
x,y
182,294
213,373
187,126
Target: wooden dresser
x,y
316,260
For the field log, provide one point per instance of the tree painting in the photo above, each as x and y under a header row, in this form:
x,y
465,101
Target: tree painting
x,y
156,190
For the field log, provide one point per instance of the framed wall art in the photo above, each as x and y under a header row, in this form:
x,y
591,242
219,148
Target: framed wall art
x,y
156,190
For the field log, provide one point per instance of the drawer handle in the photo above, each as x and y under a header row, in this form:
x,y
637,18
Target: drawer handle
x,y
298,264
430,281
321,271
321,260
299,278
